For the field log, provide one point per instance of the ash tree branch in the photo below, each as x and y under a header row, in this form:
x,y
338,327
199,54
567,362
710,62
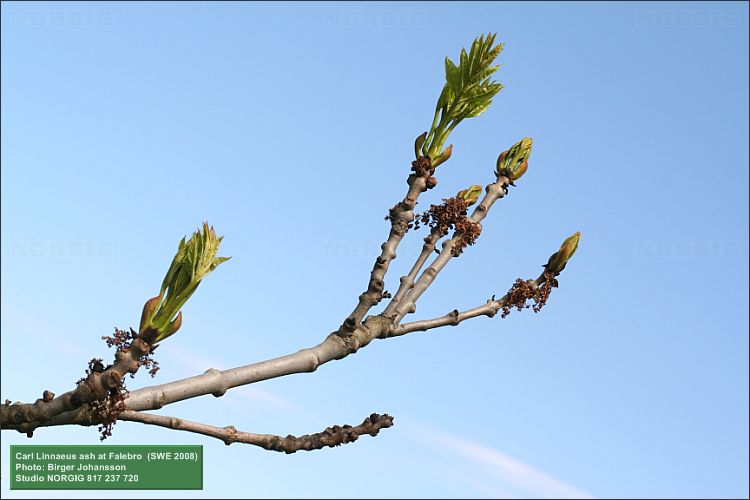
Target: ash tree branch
x,y
401,215
334,347
330,437
454,318
407,305
213,381
467,93
407,282
160,319
95,387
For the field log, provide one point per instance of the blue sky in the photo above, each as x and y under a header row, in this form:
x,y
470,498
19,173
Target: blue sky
x,y
290,129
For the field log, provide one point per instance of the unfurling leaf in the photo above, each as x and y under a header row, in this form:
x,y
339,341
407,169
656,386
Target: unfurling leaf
x,y
452,74
195,258
468,91
559,259
513,163
470,195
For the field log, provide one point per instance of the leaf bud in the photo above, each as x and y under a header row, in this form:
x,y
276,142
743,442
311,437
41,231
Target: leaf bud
x,y
559,259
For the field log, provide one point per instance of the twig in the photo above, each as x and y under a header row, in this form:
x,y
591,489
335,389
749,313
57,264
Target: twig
x,y
400,216
408,305
331,437
95,387
488,309
407,282
453,318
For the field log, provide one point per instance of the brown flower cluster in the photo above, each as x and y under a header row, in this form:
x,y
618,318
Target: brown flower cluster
x,y
467,232
122,339
422,167
521,291
451,214
108,409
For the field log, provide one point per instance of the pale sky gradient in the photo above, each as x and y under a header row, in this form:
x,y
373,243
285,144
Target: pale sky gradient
x,y
290,129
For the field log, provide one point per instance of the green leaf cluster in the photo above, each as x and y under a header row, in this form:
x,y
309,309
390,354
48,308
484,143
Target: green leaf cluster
x,y
471,194
195,258
515,161
468,91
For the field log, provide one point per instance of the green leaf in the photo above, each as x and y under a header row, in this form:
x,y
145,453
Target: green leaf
x,y
464,67
195,258
474,60
217,261
468,90
446,97
511,161
452,74
470,195
477,109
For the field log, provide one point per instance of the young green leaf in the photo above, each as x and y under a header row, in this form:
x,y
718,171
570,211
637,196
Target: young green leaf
x,y
514,162
195,258
468,91
470,195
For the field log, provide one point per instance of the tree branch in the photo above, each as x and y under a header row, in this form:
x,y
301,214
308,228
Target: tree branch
x,y
334,347
95,387
331,437
408,305
401,215
213,381
455,317
407,282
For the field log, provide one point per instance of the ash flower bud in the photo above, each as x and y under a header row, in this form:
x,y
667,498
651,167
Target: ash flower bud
x,y
514,162
470,195
559,259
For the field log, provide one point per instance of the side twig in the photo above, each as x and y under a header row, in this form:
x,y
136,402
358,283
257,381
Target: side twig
x,y
408,305
331,437
401,215
407,282
489,309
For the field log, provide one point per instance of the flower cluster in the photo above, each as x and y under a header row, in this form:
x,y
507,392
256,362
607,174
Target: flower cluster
x,y
521,291
451,214
107,410
122,339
